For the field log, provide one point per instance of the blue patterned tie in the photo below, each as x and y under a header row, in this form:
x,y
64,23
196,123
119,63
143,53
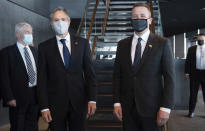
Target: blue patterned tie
x,y
137,54
66,53
30,70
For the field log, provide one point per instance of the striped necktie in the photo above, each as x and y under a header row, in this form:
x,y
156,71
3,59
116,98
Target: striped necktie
x,y
30,69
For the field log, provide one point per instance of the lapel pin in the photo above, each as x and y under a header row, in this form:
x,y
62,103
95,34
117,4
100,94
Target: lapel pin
x,y
150,46
76,43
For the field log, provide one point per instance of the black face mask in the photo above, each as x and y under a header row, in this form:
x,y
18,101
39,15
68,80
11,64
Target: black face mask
x,y
139,25
200,42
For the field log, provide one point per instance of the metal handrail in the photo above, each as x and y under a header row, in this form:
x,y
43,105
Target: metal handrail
x,y
152,15
105,17
92,23
83,18
92,20
93,46
103,29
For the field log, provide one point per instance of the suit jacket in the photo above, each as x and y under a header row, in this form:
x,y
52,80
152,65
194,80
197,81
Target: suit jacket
x,y
58,86
190,63
0,78
14,75
151,86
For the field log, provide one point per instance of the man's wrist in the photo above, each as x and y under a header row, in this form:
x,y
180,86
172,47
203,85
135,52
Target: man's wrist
x,y
167,110
43,110
92,102
117,104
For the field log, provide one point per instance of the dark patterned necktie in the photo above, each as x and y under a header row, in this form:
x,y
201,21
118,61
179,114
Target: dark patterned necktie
x,y
66,53
137,57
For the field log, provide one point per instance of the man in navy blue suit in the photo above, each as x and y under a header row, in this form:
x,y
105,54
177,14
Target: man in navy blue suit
x,y
66,79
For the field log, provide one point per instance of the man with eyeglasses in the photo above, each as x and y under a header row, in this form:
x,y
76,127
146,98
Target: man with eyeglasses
x,y
143,76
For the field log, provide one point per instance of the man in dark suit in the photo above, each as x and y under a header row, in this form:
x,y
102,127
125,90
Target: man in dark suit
x,y
143,76
66,79
0,79
18,71
0,92
195,71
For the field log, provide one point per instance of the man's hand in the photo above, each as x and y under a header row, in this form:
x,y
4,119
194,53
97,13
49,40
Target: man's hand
x,y
91,108
186,76
162,118
12,103
46,116
118,112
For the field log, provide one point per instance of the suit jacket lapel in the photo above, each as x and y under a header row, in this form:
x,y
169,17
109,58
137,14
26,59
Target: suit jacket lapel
x,y
73,44
19,58
129,51
34,54
56,53
194,54
59,58
146,51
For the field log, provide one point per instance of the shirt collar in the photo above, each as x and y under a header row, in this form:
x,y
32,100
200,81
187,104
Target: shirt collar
x,y
21,46
144,36
203,46
67,37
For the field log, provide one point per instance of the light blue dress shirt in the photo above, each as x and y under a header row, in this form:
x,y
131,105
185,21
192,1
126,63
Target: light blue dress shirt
x,y
200,57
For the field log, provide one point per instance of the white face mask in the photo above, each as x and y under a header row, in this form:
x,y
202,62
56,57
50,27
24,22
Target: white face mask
x,y
28,39
60,27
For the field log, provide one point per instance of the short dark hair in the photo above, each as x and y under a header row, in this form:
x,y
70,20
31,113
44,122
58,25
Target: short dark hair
x,y
142,5
201,34
59,9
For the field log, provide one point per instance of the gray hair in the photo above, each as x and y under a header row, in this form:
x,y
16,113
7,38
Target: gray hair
x,y
21,26
59,9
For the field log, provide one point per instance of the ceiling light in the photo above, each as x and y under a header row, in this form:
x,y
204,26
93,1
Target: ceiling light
x,y
203,9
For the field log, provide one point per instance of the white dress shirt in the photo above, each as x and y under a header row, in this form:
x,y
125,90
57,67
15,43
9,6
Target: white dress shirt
x,y
144,37
60,47
200,57
21,50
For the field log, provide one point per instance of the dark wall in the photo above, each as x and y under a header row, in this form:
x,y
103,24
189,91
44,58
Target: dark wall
x,y
75,7
38,6
24,11
179,45
181,93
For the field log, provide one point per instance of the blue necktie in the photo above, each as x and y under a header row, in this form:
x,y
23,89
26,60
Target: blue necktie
x,y
137,54
30,70
66,53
